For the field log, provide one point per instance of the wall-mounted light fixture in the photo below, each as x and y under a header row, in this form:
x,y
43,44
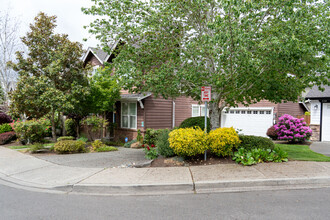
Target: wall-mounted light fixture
x,y
316,107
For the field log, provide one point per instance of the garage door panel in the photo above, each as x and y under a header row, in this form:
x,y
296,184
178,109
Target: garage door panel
x,y
250,124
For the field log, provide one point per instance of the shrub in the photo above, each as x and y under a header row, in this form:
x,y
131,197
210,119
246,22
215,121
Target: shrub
x,y
249,157
271,132
128,144
5,128
150,136
7,137
4,118
97,144
139,137
70,127
69,146
292,129
94,123
163,145
249,142
31,131
36,147
82,138
64,138
106,149
222,141
150,152
108,142
188,141
196,122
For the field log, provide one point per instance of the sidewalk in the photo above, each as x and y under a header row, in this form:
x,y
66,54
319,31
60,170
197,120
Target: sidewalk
x,y
27,171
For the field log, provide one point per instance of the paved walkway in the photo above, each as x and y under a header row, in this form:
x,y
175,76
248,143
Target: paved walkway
x,y
21,170
124,157
321,147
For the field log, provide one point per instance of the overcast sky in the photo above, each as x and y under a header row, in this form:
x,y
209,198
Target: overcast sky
x,y
70,19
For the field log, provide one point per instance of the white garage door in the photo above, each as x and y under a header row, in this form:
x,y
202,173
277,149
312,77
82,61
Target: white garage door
x,y
326,122
252,121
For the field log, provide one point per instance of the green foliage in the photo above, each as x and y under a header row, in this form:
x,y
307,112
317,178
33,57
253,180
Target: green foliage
x,y
151,152
188,141
82,138
95,122
245,50
112,143
302,152
65,138
70,127
139,137
163,145
106,149
97,144
36,147
249,142
222,141
307,113
52,77
5,128
196,122
128,144
150,136
31,130
70,146
249,157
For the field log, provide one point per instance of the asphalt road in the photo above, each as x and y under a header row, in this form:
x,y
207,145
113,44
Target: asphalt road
x,y
287,204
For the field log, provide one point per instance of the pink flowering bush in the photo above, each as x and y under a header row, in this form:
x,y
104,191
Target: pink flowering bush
x,y
292,129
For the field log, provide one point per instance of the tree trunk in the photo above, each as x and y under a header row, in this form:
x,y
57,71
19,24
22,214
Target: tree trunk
x,y
52,119
215,111
104,127
63,124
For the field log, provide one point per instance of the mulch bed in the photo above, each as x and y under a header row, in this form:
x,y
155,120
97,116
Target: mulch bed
x,y
196,161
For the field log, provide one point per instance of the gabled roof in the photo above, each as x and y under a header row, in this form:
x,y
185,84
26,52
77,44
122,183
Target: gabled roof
x,y
315,93
100,54
134,96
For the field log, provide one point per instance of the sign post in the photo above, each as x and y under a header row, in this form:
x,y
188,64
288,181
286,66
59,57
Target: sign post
x,y
206,97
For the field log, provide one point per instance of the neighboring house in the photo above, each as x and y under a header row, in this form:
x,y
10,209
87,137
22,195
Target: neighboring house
x,y
320,113
142,111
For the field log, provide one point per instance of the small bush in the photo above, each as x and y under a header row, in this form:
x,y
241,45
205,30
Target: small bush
x,y
5,128
128,144
188,141
31,131
223,140
4,118
70,127
69,146
292,129
108,142
7,137
97,144
82,138
150,136
36,147
65,138
139,137
271,132
196,122
163,145
249,142
106,149
151,152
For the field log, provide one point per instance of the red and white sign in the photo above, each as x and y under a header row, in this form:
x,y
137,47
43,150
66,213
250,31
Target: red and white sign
x,y
206,93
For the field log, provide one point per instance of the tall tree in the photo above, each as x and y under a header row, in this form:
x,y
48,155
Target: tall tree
x,y
52,77
9,44
246,50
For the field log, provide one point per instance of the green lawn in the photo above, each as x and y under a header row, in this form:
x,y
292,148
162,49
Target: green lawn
x,y
28,146
302,152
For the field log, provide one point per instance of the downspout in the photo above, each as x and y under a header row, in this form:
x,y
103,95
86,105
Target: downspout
x,y
321,119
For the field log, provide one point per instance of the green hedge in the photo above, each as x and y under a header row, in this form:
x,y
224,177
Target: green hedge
x,y
196,121
5,128
250,142
70,146
65,138
162,144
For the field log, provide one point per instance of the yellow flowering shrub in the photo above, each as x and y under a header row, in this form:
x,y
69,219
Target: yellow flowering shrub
x,y
188,141
222,140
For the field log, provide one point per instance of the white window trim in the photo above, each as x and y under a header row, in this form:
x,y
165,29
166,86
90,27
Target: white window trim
x,y
121,115
199,110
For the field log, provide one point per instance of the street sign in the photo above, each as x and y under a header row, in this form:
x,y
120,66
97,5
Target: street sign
x,y
206,93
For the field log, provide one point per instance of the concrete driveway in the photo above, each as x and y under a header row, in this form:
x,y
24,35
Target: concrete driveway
x,y
321,147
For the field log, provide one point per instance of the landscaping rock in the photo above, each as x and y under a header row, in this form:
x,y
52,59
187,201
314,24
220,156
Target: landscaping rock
x,y
136,145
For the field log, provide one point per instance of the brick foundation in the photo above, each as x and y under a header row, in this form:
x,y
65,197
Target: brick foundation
x,y
316,132
121,134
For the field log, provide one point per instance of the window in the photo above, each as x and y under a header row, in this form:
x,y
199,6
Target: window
x,y
255,112
231,111
268,112
249,112
242,112
262,112
198,110
237,112
128,115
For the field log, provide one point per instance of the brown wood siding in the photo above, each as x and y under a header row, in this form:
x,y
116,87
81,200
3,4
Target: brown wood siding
x,y
183,109
92,60
291,108
158,113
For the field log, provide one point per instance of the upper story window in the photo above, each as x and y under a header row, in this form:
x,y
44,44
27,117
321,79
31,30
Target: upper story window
x,y
129,115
